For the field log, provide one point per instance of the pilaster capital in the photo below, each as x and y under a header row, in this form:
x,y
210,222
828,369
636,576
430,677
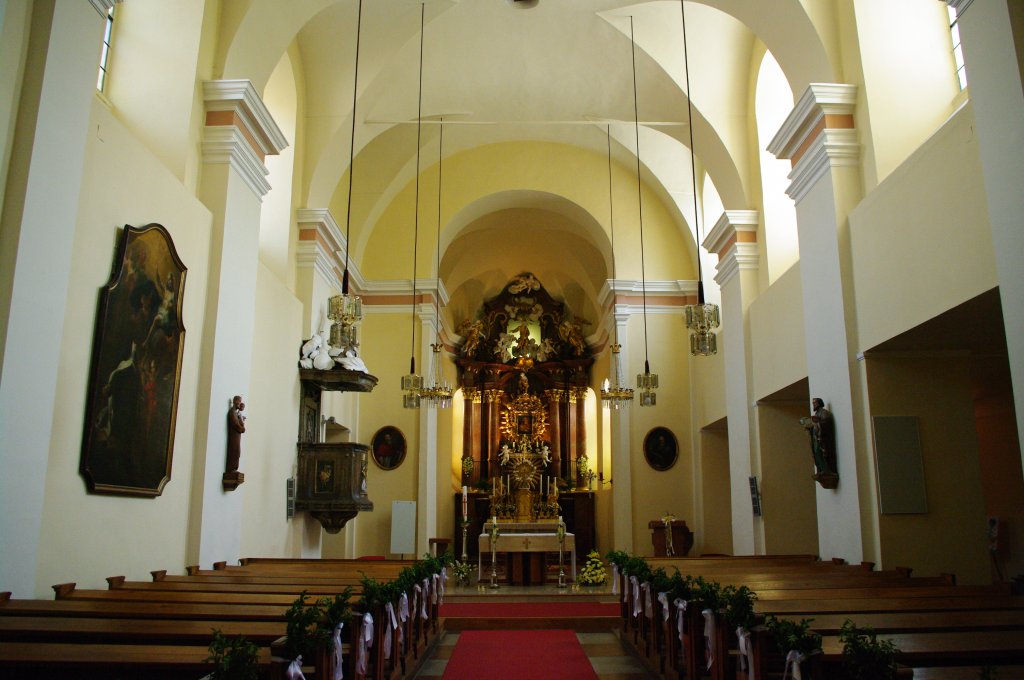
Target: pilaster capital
x,y
831,148
822,106
471,395
236,102
959,5
240,131
493,396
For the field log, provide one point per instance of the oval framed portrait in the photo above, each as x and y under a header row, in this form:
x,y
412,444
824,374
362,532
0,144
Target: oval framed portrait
x,y
388,447
661,448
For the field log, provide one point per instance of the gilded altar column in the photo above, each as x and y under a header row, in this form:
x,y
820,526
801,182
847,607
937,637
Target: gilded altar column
x,y
471,434
492,436
555,398
581,426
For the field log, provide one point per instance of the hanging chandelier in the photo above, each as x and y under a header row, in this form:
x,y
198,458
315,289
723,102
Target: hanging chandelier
x,y
614,393
439,392
702,318
412,384
646,382
346,310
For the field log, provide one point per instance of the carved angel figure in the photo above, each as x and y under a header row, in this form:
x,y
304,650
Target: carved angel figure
x,y
504,454
503,348
522,283
571,333
473,332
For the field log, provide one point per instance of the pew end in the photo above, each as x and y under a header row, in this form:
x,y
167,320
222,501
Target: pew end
x,y
218,566
5,596
192,569
115,582
60,591
158,575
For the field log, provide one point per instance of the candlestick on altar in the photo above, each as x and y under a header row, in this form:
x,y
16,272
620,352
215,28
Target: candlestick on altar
x,y
465,540
561,549
465,502
494,550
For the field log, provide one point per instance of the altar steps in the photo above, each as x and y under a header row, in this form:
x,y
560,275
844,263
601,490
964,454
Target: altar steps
x,y
530,608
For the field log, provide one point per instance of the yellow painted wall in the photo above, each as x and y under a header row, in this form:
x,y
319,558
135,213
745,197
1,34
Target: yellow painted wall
x,y
716,536
787,489
124,183
921,242
777,343
385,350
268,445
657,492
951,536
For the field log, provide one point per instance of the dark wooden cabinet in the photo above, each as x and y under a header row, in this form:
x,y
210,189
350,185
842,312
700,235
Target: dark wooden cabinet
x,y
577,512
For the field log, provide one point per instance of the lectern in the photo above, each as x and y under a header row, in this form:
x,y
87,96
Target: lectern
x,y
682,537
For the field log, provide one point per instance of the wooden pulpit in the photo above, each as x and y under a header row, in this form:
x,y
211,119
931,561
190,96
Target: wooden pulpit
x,y
682,537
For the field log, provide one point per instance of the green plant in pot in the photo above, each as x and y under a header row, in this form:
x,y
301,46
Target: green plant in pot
x,y
795,641
865,657
233,658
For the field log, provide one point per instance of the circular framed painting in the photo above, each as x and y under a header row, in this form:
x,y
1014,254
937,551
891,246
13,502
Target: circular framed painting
x,y
661,448
388,447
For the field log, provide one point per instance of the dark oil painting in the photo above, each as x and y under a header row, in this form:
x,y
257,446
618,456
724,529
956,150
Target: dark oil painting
x,y
136,368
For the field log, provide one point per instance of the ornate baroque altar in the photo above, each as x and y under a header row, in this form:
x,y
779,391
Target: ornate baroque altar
x,y
524,369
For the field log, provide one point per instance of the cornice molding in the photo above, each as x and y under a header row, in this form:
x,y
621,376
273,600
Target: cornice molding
x,y
241,98
328,248
104,6
832,148
728,226
818,100
654,289
227,144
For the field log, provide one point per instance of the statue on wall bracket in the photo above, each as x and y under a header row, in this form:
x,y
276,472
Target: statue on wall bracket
x,y
822,430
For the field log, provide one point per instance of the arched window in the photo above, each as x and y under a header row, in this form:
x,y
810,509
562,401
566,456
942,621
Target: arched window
x,y
773,102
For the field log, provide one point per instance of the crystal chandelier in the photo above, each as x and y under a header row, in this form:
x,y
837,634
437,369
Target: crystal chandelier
x,y
346,311
614,393
646,382
439,392
412,384
701,319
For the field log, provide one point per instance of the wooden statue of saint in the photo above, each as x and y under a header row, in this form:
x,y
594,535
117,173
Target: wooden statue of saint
x,y
236,426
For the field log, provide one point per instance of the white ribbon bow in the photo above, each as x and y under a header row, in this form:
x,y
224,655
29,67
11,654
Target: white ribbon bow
x,y
615,582
793,661
746,651
403,615
709,635
389,611
444,580
435,586
680,615
339,672
423,600
363,642
294,671
416,590
648,605
636,595
663,599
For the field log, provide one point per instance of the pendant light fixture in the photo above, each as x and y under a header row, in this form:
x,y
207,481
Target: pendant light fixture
x,y
702,318
646,382
412,384
614,393
439,393
345,310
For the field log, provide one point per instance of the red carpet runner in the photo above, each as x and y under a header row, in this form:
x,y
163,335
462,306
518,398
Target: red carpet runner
x,y
505,610
518,654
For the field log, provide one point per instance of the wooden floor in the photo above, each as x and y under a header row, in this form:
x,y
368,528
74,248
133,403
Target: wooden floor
x,y
599,638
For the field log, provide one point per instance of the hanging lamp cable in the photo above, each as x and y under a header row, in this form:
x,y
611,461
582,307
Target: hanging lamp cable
x,y
639,196
416,210
693,162
352,148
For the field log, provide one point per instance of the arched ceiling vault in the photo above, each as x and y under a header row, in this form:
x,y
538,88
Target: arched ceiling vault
x,y
547,74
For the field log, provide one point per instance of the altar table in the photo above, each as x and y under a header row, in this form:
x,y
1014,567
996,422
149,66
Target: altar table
x,y
525,542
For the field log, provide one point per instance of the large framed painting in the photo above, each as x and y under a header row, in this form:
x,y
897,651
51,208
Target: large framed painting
x,y
661,448
388,447
132,403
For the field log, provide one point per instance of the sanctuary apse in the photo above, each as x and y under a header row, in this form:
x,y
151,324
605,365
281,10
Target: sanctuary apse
x,y
524,370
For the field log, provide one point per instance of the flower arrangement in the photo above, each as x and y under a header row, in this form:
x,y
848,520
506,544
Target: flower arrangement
x,y
593,572
462,570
